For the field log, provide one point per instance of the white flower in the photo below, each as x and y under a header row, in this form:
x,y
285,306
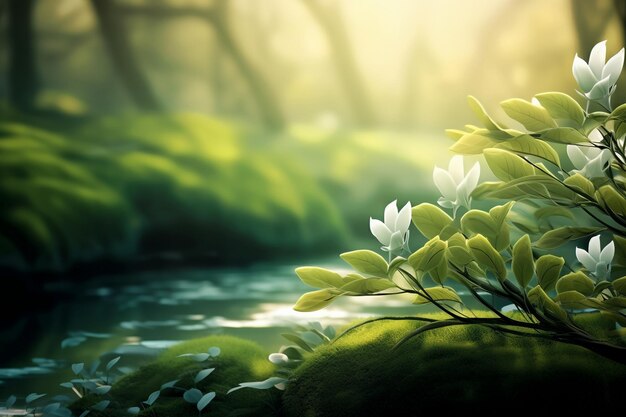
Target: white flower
x,y
598,78
455,186
589,161
393,234
597,261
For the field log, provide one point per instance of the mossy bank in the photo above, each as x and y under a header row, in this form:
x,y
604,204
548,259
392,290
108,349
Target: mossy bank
x,y
361,374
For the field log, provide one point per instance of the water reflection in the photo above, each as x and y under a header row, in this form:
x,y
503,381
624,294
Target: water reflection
x,y
139,315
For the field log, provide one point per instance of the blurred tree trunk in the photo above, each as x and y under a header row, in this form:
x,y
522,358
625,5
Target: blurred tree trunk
x,y
268,106
331,23
23,77
217,16
620,7
591,17
115,35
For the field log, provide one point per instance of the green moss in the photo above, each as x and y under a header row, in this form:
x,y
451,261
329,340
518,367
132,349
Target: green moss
x,y
449,368
240,361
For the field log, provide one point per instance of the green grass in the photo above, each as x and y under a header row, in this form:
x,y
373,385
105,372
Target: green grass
x,y
240,361
469,367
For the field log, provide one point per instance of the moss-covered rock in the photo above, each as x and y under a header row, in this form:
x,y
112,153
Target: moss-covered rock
x,y
240,361
449,368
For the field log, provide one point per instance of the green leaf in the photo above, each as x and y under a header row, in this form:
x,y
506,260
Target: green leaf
x,y
368,285
575,281
487,256
473,143
581,184
298,340
571,299
499,213
561,106
491,225
455,134
557,237
395,263
320,277
506,165
619,285
566,135
482,115
534,118
429,256
552,211
440,272
438,294
458,253
548,269
527,145
367,262
538,298
316,300
620,250
523,264
612,200
619,113
430,220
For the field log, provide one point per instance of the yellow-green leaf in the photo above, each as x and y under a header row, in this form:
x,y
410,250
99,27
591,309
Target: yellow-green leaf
x,y
548,269
367,262
538,298
575,281
487,256
527,145
458,253
523,264
473,143
437,294
566,135
368,285
619,285
562,106
482,115
557,237
319,277
581,184
506,165
612,200
430,220
316,300
533,117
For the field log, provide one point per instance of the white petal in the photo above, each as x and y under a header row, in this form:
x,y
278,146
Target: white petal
x,y
456,169
471,180
613,67
607,253
380,231
602,271
391,214
594,247
444,183
445,203
583,75
404,219
597,58
595,136
586,259
596,166
396,242
576,155
600,89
